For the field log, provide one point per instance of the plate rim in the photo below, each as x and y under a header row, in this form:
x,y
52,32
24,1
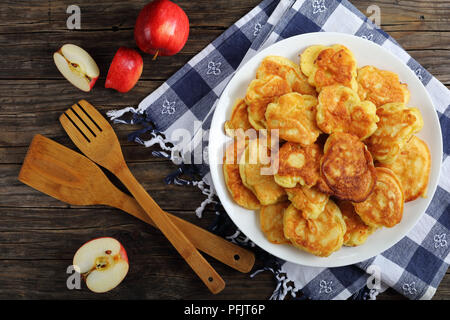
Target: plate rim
x,y
214,167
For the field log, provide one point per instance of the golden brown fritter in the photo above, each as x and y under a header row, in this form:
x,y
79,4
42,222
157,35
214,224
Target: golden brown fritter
x,y
381,86
288,70
412,167
328,66
396,126
271,222
323,187
298,164
347,167
307,58
257,174
294,115
240,193
321,236
357,231
259,94
341,110
310,201
238,119
384,207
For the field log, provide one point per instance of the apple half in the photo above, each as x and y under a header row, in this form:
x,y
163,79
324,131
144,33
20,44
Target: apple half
x,y
125,70
77,66
103,263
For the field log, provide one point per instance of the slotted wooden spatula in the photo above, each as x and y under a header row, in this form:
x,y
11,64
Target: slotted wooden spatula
x,y
72,178
95,137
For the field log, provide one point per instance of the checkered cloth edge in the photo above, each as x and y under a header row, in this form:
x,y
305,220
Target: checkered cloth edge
x,y
415,266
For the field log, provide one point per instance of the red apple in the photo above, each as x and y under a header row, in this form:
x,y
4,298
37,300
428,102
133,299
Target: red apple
x,y
103,263
125,70
77,66
162,28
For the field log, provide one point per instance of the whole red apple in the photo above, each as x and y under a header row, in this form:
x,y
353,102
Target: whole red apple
x,y
125,70
162,28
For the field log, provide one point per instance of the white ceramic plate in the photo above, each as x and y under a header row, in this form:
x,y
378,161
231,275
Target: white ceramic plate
x,y
366,53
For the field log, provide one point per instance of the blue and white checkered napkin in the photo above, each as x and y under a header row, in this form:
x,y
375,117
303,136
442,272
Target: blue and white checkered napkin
x,y
415,266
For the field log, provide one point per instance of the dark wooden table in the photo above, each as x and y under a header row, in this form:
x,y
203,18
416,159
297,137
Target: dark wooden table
x,y
39,235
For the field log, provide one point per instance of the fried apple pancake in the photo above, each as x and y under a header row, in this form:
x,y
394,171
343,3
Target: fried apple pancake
x,y
381,86
326,66
412,167
341,110
384,207
288,70
257,174
271,222
347,167
298,164
323,187
307,58
321,236
294,115
259,94
238,119
310,201
396,126
357,231
239,192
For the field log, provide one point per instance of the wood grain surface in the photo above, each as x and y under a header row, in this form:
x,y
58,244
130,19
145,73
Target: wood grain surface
x,y
39,235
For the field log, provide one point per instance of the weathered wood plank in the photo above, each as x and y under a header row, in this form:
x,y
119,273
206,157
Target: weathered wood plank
x,y
156,269
40,16
413,40
21,227
132,152
150,175
18,129
43,96
437,62
410,14
25,96
150,277
24,115
32,56
443,291
113,14
29,55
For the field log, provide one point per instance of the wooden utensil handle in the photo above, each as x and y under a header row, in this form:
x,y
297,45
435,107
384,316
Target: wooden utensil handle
x,y
185,248
230,254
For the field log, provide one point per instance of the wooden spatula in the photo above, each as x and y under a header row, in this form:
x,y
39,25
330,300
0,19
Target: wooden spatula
x,y
95,137
72,178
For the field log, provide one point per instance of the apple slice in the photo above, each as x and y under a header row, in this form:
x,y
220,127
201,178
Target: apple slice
x,y
103,263
77,66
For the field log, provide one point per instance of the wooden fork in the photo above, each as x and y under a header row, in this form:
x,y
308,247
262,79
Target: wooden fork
x,y
95,137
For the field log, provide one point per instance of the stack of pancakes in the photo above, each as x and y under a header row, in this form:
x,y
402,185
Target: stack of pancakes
x,y
345,157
